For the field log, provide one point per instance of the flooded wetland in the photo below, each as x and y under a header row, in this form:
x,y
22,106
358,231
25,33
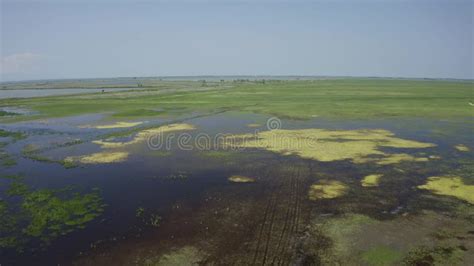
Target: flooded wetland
x,y
238,172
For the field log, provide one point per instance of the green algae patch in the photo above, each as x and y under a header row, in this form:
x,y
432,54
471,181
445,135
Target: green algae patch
x,y
144,135
241,179
327,189
359,146
371,180
6,159
450,186
342,230
11,134
185,256
6,113
100,158
462,147
381,256
43,215
439,255
52,216
32,152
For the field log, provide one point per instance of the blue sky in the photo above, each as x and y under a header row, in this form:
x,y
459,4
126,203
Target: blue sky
x,y
85,39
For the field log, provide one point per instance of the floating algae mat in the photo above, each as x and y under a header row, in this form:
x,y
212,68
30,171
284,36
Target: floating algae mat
x,y
114,125
359,146
462,147
450,186
253,125
115,151
100,157
327,189
241,179
143,135
371,180
43,215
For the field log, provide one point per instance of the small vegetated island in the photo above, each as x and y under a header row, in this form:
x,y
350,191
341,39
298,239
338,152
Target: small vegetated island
x,y
238,171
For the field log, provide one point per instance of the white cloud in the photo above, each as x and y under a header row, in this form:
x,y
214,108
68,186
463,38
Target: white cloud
x,y
19,63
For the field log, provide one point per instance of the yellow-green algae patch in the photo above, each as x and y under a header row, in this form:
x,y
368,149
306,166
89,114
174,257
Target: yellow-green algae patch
x,y
253,125
241,179
114,125
462,147
398,158
371,180
327,189
450,186
144,135
101,157
359,146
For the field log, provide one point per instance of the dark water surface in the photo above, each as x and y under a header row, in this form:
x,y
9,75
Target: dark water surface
x,y
190,191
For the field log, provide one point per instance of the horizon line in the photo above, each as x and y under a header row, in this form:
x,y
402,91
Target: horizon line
x,y
229,76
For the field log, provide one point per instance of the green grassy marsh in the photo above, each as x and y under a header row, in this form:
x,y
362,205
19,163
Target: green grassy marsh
x,y
301,99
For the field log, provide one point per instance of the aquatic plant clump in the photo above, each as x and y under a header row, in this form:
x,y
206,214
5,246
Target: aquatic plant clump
x,y
241,179
359,146
52,216
104,157
6,159
6,113
371,180
462,147
327,189
13,135
44,215
450,186
440,255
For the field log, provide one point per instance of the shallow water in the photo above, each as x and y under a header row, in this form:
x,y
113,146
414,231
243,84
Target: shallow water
x,y
28,93
189,189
